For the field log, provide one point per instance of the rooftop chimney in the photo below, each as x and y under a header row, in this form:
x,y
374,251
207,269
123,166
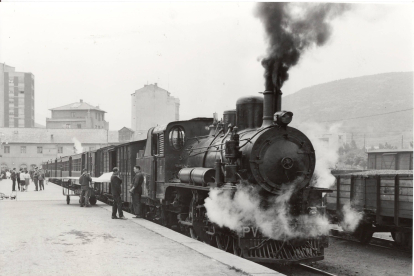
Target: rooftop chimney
x,y
155,84
81,100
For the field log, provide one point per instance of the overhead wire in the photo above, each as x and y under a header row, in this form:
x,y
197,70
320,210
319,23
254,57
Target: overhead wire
x,y
380,114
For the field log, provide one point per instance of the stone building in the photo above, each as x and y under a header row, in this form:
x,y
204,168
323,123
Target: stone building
x,y
125,135
152,106
79,115
28,147
16,98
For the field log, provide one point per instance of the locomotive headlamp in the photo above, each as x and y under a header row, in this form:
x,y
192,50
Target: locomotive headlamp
x,y
283,118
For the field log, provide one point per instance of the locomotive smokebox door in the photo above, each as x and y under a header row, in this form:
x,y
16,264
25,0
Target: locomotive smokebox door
x,y
286,158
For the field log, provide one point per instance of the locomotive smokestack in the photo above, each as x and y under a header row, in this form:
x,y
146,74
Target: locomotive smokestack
x,y
272,101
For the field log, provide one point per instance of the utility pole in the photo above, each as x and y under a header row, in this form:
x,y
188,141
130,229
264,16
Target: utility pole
x,y
365,149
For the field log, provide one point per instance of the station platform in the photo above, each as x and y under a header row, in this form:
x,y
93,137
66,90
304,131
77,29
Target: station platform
x,y
42,235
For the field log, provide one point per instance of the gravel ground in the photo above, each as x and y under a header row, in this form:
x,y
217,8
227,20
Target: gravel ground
x,y
350,258
346,258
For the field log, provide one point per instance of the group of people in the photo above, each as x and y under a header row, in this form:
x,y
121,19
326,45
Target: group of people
x,y
135,191
116,190
23,177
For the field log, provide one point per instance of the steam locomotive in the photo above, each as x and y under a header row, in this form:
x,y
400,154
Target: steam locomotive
x,y
183,160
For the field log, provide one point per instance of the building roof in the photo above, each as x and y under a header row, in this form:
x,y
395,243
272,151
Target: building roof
x,y
58,136
389,150
78,106
130,129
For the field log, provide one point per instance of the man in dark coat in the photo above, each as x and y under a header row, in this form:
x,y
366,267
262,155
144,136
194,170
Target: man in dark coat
x,y
13,177
41,178
36,178
18,178
116,191
84,181
136,191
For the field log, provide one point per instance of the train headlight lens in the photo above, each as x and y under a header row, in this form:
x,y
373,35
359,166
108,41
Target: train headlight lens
x,y
283,117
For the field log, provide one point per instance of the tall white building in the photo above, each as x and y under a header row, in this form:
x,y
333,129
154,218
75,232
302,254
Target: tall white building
x,y
152,106
16,98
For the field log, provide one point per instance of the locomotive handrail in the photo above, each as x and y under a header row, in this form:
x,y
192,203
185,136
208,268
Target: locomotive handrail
x,y
215,145
251,138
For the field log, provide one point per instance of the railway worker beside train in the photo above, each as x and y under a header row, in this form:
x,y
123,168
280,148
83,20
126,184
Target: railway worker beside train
x,y
116,191
136,191
84,181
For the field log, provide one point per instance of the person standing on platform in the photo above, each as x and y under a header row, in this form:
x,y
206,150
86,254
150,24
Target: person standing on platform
x,y
18,178
41,180
31,174
136,191
116,191
26,179
36,178
13,178
85,180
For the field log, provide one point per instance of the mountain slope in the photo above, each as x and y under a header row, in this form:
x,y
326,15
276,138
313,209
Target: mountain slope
x,y
370,97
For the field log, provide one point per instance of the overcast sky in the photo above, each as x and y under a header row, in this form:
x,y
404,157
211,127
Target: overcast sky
x,y
206,54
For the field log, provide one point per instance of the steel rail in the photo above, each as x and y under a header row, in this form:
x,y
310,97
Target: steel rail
x,y
316,270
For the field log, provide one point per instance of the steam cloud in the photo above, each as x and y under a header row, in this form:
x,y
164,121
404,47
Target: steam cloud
x,y
326,155
292,28
78,145
246,208
351,218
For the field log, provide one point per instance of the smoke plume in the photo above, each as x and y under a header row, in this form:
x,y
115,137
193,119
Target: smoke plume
x,y
291,28
244,207
77,145
326,152
351,218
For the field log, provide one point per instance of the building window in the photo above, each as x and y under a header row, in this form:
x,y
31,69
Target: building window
x,y
6,149
79,126
60,149
39,149
67,125
72,114
23,149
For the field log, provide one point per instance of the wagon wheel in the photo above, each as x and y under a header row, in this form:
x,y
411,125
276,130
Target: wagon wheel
x,y
92,200
401,238
224,242
67,199
236,248
364,233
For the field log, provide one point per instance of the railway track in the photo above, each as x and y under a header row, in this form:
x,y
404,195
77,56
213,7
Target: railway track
x,y
298,270
315,270
378,242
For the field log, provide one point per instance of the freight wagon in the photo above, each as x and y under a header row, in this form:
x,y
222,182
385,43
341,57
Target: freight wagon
x,y
383,197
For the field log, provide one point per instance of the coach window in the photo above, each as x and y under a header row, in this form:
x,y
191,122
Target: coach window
x,y
177,138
